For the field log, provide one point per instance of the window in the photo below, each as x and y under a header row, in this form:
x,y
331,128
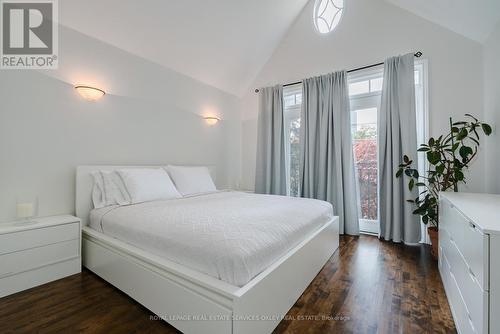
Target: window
x,y
365,92
366,86
292,98
327,15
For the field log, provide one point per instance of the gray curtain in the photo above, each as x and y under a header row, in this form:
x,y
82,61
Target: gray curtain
x,y
270,175
397,135
327,164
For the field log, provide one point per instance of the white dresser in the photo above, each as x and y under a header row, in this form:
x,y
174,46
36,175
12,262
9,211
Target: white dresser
x,y
469,259
38,252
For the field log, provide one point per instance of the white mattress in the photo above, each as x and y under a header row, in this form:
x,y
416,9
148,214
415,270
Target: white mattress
x,y
232,236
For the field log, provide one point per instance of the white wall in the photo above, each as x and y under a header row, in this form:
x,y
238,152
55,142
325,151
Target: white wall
x,y
151,115
492,108
370,31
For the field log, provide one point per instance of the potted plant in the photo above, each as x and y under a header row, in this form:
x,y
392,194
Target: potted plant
x,y
449,156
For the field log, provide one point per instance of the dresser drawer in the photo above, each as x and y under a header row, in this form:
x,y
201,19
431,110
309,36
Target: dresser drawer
x,y
460,313
457,304
475,298
453,222
444,268
445,245
475,249
469,240
16,262
17,241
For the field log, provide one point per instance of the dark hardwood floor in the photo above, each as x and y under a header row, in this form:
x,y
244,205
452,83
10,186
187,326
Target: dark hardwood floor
x,y
368,286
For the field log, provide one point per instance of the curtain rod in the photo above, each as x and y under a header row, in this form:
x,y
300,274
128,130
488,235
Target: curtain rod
x,y
417,54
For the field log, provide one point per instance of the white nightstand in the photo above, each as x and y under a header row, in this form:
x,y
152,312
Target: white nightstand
x,y
38,252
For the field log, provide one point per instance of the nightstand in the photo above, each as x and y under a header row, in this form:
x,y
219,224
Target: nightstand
x,y
38,252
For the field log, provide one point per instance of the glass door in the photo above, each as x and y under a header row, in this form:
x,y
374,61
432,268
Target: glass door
x,y
365,92
292,98
364,135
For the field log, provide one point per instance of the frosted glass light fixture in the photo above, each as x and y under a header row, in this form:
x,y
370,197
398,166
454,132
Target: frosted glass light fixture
x,y
327,15
89,93
212,120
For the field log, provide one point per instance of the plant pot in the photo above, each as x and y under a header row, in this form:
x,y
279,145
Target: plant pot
x,y
434,235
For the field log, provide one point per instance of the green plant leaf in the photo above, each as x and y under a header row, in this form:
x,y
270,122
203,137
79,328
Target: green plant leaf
x,y
425,220
486,129
418,211
411,184
440,168
399,173
462,134
433,157
465,151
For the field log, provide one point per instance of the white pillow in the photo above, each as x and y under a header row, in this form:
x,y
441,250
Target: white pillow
x,y
191,180
108,190
148,184
98,195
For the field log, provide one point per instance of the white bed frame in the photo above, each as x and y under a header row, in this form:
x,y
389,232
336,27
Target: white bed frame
x,y
194,302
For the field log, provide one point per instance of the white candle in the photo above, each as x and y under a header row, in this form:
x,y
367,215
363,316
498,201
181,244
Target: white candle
x,y
24,210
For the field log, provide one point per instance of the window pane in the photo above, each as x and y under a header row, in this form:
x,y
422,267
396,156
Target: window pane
x,y
298,98
364,134
361,87
292,96
376,84
289,100
417,78
294,156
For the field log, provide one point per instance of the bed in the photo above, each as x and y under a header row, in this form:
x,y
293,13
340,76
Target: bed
x,y
222,262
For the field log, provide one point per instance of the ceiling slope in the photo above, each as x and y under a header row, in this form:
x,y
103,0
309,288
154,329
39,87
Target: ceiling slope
x,y
475,19
223,43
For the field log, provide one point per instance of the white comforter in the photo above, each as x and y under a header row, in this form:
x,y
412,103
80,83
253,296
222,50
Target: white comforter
x,y
232,236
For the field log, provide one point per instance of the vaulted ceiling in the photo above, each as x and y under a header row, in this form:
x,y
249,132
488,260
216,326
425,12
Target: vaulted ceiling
x,y
475,19
225,43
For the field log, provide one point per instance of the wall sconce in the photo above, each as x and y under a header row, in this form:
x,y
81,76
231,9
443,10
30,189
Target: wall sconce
x,y
211,120
90,93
